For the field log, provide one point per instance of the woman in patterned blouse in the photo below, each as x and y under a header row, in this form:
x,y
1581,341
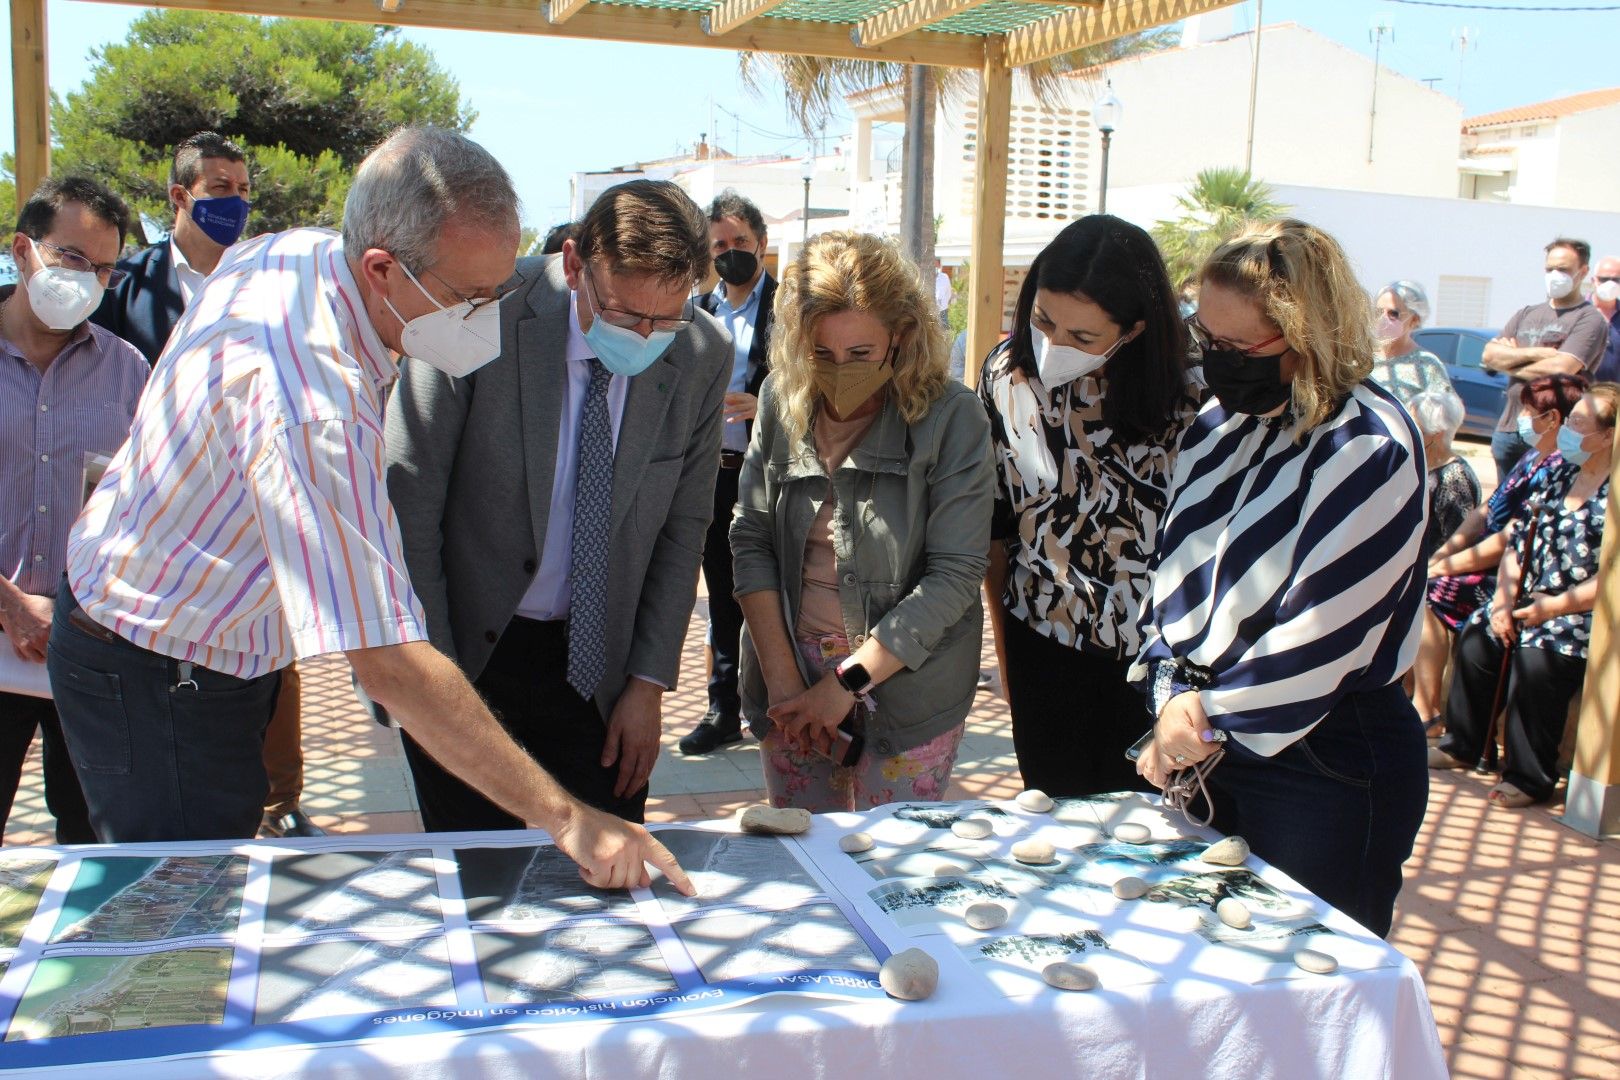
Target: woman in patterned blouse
x,y
1287,584
1087,401
1538,625
1403,367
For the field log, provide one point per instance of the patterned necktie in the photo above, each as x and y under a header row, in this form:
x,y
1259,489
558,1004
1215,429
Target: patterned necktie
x,y
593,519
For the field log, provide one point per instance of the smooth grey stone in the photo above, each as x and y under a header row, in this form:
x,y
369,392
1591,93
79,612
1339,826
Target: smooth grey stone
x,y
984,916
1233,912
1034,800
1035,852
1232,851
772,821
972,828
910,976
1133,832
856,842
1066,975
1130,888
1317,963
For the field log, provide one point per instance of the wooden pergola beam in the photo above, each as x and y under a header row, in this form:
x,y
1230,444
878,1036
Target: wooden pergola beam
x,y
560,11
30,97
1592,802
986,264
607,22
1076,30
728,15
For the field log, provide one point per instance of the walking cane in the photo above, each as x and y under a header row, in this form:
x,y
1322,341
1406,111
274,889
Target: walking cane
x,y
1489,761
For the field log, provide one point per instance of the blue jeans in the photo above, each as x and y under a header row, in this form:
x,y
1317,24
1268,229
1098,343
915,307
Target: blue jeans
x,y
158,760
1337,810
1506,450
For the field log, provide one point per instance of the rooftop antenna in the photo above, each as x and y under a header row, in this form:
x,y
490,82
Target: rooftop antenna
x,y
1381,26
1463,39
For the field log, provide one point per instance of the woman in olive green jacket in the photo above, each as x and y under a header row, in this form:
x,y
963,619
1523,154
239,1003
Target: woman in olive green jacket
x,y
861,534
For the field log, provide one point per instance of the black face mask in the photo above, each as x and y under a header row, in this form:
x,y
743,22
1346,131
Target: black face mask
x,y
1247,384
736,267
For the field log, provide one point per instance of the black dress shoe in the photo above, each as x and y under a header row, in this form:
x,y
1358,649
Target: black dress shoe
x,y
293,823
712,732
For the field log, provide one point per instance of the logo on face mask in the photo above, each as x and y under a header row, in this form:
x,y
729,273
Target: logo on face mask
x,y
457,340
1059,364
221,219
62,298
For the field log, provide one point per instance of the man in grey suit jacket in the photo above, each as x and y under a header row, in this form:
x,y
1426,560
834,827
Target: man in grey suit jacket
x,y
500,477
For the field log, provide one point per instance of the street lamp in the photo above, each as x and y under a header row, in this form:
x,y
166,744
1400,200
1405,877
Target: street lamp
x,y
1106,114
808,170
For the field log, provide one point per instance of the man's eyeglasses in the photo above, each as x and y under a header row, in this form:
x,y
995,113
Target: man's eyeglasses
x,y
629,320
474,303
108,274
1607,277
1210,343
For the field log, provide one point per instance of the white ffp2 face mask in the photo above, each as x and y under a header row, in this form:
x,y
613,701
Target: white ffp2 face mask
x,y
1059,364
62,298
1559,284
456,340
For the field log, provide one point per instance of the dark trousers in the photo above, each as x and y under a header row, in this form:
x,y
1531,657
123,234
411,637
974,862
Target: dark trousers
x,y
725,614
157,760
1337,810
526,686
1073,715
1506,450
1540,685
19,717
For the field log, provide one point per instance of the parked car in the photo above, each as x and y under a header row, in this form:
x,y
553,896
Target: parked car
x,y
1483,391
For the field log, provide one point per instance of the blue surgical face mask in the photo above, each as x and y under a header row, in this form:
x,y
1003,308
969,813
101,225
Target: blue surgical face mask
x,y
622,350
1527,430
221,219
1569,445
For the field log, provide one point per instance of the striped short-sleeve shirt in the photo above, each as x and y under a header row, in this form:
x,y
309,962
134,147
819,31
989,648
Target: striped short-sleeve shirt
x,y
1288,574
246,522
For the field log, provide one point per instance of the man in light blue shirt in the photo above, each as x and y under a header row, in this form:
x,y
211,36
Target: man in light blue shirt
x,y
742,302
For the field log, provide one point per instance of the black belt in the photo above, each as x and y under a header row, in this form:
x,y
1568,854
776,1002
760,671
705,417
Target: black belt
x,y
731,459
84,622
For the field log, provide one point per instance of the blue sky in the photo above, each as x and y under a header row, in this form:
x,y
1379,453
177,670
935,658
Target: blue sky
x,y
550,108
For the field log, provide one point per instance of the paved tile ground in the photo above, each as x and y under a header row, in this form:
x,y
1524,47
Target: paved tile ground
x,y
1513,920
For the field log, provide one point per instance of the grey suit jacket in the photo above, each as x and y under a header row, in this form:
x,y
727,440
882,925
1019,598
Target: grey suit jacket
x,y
470,465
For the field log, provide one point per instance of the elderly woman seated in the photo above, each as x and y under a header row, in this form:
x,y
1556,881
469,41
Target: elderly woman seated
x,y
1526,651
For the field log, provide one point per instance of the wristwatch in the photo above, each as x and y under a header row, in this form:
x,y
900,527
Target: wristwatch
x,y
853,677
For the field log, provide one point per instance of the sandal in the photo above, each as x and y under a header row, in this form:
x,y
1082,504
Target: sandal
x,y
1434,727
1439,759
1510,797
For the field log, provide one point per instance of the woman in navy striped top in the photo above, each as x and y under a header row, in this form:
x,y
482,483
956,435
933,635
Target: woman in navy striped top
x,y
1287,580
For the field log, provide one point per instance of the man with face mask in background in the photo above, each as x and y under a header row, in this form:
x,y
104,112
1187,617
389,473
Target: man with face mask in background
x,y
1606,298
742,301
67,390
1563,336
209,189
246,522
554,503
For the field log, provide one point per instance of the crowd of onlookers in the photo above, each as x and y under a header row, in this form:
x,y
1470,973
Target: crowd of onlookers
x,y
1214,528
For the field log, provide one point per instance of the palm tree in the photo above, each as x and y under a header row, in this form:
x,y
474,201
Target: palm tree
x,y
815,86
1217,206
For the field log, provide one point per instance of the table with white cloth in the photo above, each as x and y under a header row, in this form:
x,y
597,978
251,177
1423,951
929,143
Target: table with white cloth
x,y
484,954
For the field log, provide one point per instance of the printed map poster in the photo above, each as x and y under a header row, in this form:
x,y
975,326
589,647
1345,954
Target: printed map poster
x,y
151,951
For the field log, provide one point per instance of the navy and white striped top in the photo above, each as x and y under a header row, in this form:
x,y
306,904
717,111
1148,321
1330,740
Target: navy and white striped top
x,y
1287,574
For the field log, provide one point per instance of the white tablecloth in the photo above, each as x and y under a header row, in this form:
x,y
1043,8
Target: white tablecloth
x,y
1201,1020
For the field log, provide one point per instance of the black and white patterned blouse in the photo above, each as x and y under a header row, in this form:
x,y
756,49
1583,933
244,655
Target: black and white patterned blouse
x,y
1287,574
1453,493
1077,510
1563,553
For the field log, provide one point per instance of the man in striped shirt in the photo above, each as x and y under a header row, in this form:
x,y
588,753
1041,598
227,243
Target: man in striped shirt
x,y
246,523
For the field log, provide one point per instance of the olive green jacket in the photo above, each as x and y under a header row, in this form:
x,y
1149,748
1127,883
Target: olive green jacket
x,y
912,537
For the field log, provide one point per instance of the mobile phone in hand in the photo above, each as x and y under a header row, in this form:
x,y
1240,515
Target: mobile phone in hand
x,y
1134,754
846,746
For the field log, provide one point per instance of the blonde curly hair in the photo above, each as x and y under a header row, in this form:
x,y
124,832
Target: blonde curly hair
x,y
852,271
1304,284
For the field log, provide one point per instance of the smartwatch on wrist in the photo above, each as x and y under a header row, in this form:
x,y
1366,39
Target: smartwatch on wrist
x,y
853,677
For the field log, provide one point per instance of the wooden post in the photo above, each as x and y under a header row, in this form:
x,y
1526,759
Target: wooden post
x,y
30,97
1592,803
985,269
